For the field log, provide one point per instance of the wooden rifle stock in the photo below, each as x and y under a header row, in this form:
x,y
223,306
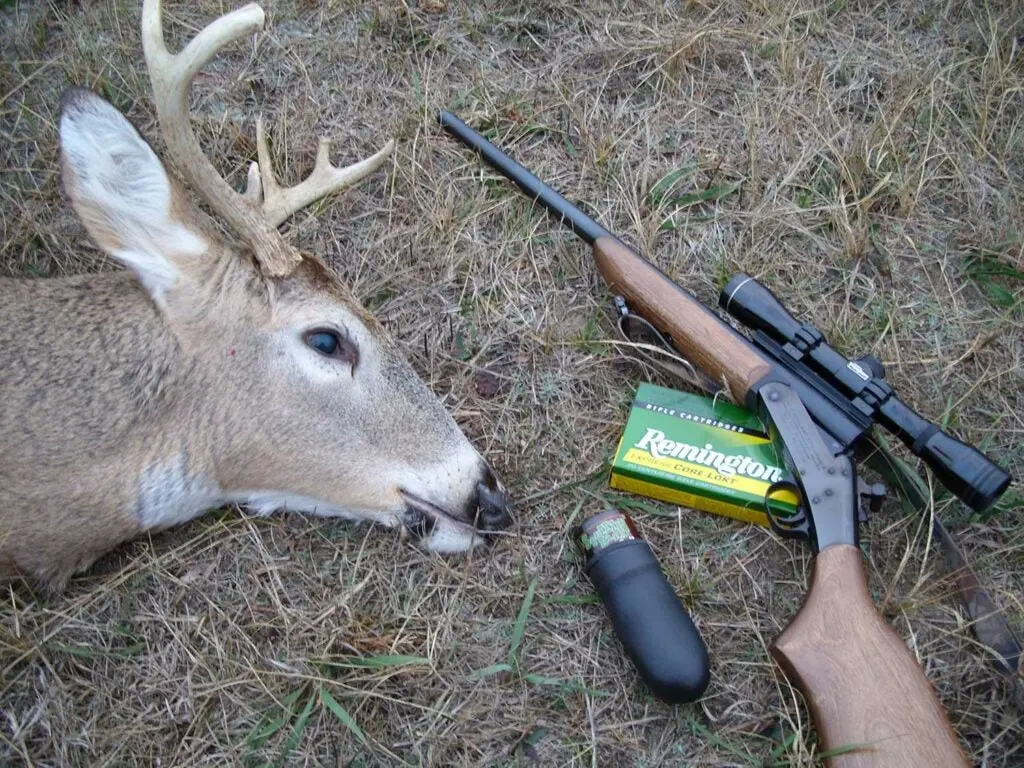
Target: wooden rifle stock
x,y
701,337
866,692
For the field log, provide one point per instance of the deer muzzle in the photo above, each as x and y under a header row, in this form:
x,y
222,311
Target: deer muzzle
x,y
485,513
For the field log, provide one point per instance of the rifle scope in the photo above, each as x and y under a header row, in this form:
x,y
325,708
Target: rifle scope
x,y
965,471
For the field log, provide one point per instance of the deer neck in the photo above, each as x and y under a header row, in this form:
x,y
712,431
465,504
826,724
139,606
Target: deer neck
x,y
97,397
91,378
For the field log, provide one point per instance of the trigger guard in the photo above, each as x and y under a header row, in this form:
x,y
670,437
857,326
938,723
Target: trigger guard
x,y
795,527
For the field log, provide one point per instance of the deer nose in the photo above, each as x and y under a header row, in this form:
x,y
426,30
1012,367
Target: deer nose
x,y
493,506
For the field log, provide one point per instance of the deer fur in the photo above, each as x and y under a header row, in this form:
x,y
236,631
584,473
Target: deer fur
x,y
139,399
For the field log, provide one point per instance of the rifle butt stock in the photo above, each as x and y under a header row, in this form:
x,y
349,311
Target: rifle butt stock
x,y
698,334
864,689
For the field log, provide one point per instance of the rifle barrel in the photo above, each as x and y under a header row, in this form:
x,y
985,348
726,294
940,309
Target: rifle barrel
x,y
578,221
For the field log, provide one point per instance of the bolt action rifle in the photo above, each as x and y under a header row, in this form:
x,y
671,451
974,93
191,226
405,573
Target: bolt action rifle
x,y
870,700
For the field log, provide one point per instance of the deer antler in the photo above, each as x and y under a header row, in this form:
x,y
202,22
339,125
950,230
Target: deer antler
x,y
281,202
171,76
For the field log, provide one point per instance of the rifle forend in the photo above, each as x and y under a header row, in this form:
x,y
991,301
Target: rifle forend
x,y
695,330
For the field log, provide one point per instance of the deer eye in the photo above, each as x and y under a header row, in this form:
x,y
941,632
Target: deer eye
x,y
330,343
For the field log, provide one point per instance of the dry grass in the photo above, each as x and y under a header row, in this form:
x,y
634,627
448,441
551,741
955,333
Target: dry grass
x,y
878,156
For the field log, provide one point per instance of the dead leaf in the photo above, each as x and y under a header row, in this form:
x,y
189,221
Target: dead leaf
x,y
487,384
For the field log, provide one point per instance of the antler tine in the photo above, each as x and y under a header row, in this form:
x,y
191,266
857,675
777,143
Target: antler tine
x,y
281,202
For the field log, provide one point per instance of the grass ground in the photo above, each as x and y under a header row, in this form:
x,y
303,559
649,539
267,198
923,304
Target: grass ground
x,y
864,160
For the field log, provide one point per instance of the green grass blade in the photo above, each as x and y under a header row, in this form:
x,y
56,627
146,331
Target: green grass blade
x,y
494,669
664,185
339,712
269,725
705,195
300,725
520,625
568,686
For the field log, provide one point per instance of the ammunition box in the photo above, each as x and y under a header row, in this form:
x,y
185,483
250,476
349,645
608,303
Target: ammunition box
x,y
699,453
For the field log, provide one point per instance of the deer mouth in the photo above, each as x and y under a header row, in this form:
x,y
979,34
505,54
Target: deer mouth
x,y
422,516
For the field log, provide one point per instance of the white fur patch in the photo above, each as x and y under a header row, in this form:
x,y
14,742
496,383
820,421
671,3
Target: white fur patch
x,y
267,502
319,370
122,192
445,538
299,359
450,539
166,495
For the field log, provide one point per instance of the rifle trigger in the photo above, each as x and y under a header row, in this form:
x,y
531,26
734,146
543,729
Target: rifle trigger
x,y
827,479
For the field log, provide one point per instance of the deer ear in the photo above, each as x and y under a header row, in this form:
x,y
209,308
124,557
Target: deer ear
x,y
121,192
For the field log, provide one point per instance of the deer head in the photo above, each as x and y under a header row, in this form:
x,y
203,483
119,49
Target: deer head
x,y
217,375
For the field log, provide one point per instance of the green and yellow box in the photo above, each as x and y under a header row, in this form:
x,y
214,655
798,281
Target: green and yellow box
x,y
699,453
